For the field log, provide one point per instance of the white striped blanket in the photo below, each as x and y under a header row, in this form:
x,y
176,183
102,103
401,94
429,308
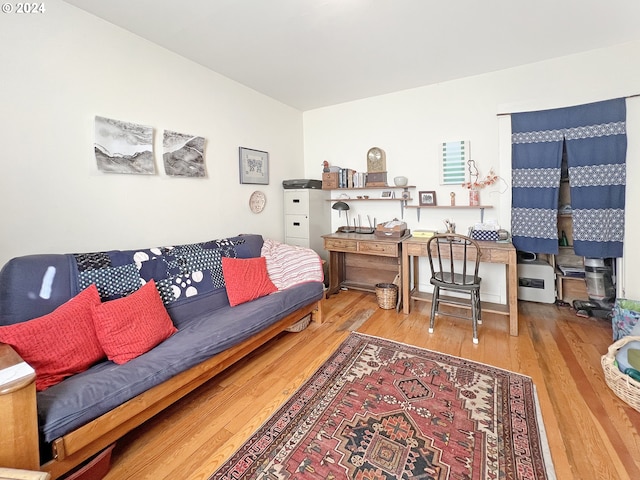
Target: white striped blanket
x,y
289,265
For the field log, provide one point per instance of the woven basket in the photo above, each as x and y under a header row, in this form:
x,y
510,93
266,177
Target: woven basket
x,y
387,295
622,385
300,325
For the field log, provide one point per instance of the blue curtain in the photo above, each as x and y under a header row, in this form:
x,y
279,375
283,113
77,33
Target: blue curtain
x,y
594,136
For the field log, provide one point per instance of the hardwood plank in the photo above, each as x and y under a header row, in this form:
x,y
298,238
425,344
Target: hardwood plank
x,y
592,434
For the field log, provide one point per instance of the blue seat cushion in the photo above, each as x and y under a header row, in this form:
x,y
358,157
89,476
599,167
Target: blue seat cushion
x,y
85,396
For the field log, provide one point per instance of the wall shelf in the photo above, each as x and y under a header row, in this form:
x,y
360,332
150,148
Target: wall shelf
x,y
403,200
392,187
477,207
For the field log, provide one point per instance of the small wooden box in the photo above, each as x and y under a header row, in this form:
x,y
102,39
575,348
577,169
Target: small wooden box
x,y
329,180
395,231
377,179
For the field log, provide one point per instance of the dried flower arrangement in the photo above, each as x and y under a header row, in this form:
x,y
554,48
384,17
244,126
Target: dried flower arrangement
x,y
474,183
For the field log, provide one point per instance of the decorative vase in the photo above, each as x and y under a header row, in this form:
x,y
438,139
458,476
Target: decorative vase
x,y
474,198
400,181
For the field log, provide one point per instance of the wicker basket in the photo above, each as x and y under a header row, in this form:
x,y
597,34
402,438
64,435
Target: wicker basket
x,y
300,325
387,295
622,385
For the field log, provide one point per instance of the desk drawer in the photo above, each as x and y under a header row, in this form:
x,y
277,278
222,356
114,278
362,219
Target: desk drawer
x,y
495,256
420,249
416,249
340,245
378,248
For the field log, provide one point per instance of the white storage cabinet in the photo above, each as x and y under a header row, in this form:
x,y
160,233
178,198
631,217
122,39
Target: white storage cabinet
x,y
307,216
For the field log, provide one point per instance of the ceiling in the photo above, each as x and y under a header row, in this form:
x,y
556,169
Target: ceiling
x,y
315,53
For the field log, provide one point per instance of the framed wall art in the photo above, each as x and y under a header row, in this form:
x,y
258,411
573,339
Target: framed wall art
x,y
454,156
427,199
183,154
123,147
254,166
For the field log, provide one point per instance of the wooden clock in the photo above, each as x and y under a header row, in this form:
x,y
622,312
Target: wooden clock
x,y
376,160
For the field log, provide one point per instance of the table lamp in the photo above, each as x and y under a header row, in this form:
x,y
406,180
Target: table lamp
x,y
342,206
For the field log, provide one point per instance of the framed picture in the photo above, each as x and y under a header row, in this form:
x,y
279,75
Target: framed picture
x,y
387,194
254,166
427,198
454,157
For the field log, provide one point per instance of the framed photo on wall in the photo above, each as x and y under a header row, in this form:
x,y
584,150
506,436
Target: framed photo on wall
x,y
386,194
254,166
427,198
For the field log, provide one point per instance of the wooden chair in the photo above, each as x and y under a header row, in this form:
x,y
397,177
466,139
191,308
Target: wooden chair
x,y
454,260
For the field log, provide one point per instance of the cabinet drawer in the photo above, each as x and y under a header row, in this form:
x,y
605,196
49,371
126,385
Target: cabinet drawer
x,y
296,226
298,242
378,248
296,202
340,245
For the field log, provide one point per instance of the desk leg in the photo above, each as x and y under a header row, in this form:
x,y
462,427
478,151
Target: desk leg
x,y
400,277
406,279
336,265
512,293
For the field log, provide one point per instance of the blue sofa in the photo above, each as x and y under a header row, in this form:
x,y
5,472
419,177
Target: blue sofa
x,y
88,411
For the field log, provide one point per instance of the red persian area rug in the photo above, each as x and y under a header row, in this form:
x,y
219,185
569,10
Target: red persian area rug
x,y
377,409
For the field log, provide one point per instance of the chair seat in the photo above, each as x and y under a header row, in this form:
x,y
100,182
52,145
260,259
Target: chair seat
x,y
459,281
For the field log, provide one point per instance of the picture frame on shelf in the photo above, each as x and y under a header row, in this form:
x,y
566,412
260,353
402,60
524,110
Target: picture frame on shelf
x,y
387,194
254,166
427,198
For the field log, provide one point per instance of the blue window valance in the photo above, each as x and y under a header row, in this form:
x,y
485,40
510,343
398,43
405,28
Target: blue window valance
x,y
595,141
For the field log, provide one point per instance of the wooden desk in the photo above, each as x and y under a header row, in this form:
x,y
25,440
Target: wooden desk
x,y
359,261
490,252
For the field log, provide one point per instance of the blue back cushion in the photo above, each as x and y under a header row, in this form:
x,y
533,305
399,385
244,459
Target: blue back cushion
x,y
34,285
189,277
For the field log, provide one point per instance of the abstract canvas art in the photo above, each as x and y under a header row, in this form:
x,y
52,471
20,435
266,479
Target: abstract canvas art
x,y
183,154
123,147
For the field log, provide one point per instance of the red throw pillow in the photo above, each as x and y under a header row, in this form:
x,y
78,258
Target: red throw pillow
x,y
130,326
246,279
61,343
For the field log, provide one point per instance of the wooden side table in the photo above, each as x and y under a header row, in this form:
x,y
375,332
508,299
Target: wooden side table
x,y
360,261
18,415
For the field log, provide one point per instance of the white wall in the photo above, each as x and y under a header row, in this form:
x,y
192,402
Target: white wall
x,y
63,67
409,126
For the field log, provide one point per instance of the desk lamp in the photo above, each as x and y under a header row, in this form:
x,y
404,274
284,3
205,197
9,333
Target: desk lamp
x,y
342,206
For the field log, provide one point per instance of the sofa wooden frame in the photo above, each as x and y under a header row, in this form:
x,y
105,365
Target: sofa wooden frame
x,y
19,447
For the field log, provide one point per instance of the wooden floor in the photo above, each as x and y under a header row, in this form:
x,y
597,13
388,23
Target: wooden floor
x,y
592,434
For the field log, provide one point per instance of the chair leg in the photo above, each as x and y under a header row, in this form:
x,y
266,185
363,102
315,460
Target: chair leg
x,y
479,307
474,314
434,306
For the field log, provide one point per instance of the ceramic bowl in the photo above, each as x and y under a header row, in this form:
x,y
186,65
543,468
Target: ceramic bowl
x,y
400,181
